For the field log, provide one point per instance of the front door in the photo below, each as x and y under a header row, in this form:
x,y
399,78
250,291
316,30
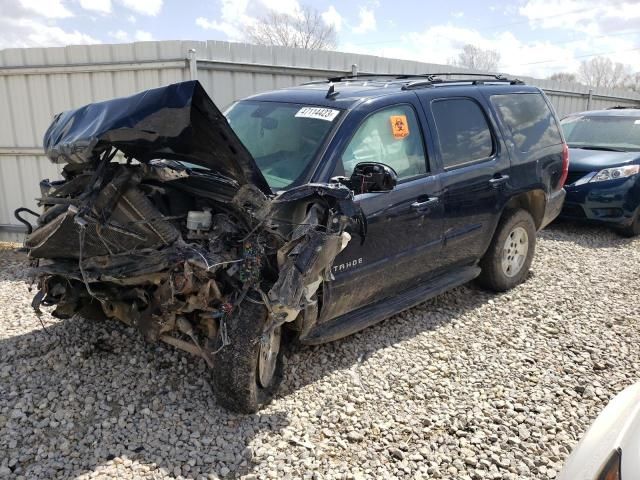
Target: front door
x,y
404,226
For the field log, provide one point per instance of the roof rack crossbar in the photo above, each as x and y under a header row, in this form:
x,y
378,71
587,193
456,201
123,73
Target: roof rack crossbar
x,y
395,76
472,81
497,76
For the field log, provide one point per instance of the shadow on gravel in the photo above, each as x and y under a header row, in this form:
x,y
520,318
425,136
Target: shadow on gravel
x,y
83,393
584,235
314,363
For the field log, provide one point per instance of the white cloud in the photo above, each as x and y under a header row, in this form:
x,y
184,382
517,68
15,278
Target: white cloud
x,y
333,18
367,21
233,18
441,43
229,29
131,19
23,32
101,6
120,35
595,28
144,7
47,8
588,16
138,36
291,7
457,14
142,36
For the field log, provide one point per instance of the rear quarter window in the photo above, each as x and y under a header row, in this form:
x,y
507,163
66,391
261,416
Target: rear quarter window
x,y
529,119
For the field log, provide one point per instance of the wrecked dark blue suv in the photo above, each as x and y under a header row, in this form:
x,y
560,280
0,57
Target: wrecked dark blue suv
x,y
307,213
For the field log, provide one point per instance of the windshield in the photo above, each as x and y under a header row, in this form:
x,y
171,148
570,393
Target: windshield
x,y
283,138
602,133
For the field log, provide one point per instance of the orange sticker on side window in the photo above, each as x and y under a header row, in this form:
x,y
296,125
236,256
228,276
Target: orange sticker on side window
x,y
399,126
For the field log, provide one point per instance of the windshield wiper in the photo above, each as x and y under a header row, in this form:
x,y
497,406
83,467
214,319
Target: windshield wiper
x,y
597,147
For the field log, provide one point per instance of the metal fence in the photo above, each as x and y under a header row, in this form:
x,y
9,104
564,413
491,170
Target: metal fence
x,y
36,83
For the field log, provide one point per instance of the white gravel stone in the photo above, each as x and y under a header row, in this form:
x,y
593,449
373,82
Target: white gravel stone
x,y
468,385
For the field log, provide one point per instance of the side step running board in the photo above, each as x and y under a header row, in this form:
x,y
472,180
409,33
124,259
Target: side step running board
x,y
353,322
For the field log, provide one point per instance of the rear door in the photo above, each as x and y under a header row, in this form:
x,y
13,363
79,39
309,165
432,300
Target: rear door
x,y
404,226
475,174
533,139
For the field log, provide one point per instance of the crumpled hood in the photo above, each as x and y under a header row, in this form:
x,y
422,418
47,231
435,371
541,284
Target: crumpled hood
x,y
178,122
581,160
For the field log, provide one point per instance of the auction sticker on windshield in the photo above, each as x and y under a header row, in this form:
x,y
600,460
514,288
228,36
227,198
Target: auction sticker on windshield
x,y
327,114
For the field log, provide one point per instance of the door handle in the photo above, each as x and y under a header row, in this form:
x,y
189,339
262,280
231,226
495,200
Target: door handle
x,y
497,181
421,205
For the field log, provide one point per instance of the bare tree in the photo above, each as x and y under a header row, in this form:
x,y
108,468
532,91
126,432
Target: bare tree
x,y
601,72
564,77
632,82
475,58
304,29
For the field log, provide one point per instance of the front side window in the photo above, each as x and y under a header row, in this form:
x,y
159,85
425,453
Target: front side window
x,y
391,136
600,132
283,138
463,131
530,120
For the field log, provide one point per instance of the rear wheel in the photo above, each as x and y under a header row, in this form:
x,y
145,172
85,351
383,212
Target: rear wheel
x,y
248,371
632,230
506,263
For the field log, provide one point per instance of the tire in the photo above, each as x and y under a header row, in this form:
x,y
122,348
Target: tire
x,y
632,230
235,377
517,228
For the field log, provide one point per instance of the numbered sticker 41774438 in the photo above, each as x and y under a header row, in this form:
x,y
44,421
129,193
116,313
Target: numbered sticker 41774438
x,y
320,113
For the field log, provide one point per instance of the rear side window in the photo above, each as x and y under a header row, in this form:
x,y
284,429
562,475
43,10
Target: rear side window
x,y
529,119
463,131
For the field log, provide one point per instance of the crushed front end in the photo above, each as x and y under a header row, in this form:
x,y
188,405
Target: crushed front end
x,y
163,221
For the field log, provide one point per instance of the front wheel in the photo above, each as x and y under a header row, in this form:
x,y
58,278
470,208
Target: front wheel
x,y
506,263
248,371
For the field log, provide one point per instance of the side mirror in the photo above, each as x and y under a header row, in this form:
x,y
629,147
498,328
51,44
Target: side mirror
x,y
373,177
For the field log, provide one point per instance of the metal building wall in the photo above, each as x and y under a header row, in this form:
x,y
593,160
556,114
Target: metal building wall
x,y
36,83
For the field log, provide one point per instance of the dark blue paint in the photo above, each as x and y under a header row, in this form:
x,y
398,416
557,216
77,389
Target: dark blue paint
x,y
613,202
405,246
595,160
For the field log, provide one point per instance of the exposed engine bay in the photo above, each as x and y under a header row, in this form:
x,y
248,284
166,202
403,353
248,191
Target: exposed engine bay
x,y
170,243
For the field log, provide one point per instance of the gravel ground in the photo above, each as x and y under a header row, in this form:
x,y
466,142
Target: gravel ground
x,y
468,385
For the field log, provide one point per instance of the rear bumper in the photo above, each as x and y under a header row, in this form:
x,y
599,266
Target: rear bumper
x,y
613,202
553,208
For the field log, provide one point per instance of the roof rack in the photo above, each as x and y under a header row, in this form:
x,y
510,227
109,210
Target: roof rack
x,y
475,79
429,79
364,76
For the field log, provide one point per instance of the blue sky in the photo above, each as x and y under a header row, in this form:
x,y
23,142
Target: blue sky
x,y
533,37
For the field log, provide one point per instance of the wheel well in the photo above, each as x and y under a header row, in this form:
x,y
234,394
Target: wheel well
x,y
533,202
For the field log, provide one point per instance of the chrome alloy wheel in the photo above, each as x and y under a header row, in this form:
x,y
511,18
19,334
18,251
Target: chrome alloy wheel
x,y
514,251
268,356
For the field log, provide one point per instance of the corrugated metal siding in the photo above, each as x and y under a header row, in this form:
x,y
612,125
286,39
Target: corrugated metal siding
x,y
36,83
